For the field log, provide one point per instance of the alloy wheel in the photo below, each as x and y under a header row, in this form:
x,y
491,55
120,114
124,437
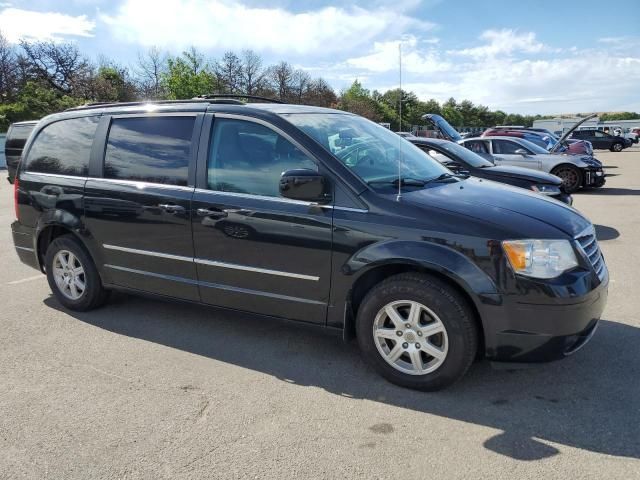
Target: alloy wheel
x,y
69,275
410,337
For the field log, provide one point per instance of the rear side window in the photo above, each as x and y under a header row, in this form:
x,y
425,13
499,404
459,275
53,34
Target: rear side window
x,y
149,149
18,135
63,147
506,147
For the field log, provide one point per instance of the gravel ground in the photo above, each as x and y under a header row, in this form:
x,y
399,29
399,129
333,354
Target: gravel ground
x,y
150,389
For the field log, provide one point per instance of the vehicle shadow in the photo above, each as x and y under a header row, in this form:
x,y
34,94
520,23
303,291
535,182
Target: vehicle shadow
x,y
604,233
611,191
588,401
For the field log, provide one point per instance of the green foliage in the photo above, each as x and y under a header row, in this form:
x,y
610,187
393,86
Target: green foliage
x,y
34,102
187,76
620,116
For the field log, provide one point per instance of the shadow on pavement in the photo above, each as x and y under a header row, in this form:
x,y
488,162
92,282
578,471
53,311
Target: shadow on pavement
x,y
611,191
604,233
587,401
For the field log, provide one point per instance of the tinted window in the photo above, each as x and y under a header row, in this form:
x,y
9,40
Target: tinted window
x,y
18,135
63,147
246,157
149,149
506,147
477,147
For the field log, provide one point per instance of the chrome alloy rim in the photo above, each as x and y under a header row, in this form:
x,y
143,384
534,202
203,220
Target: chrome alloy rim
x,y
68,274
410,337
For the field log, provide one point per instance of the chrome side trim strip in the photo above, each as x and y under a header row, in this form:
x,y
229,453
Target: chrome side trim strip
x,y
152,274
141,184
26,249
213,263
255,197
148,253
348,209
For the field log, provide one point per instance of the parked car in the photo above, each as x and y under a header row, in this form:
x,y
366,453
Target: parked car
x,y
16,138
602,140
461,160
425,268
547,140
575,171
406,134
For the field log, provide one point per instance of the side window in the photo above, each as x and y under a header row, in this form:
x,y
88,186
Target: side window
x,y
246,157
505,147
149,149
63,147
477,146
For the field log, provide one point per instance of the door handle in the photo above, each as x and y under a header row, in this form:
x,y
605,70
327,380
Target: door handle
x,y
171,208
217,214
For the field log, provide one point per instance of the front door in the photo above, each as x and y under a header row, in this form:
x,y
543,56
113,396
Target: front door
x,y
140,210
255,250
504,151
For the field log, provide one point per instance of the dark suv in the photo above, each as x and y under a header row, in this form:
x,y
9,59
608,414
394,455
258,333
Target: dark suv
x,y
309,214
16,138
602,140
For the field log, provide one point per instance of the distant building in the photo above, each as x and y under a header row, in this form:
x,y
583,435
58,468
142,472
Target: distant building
x,y
560,125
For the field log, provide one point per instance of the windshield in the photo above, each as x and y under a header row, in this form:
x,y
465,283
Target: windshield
x,y
372,152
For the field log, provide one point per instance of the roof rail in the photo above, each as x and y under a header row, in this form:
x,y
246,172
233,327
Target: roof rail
x,y
214,96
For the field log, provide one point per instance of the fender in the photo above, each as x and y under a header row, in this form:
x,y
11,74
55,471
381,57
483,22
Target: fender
x,y
61,218
440,259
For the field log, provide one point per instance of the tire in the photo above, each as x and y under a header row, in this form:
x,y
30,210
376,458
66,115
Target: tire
x,y
62,280
456,340
571,177
617,147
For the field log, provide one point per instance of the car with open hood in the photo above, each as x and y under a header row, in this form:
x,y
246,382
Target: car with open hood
x,y
463,161
312,215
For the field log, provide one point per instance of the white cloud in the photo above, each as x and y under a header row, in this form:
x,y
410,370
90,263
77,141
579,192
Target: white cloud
x,y
17,24
415,58
229,24
503,42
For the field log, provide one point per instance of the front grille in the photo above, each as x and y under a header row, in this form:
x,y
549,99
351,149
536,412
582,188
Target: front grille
x,y
589,245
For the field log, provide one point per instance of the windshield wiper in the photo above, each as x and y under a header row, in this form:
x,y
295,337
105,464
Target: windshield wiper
x,y
403,181
439,178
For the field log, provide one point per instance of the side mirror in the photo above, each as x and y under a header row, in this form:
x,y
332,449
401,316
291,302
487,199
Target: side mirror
x,y
521,151
304,184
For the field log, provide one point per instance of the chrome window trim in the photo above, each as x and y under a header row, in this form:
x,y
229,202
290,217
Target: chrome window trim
x,y
54,175
211,263
141,184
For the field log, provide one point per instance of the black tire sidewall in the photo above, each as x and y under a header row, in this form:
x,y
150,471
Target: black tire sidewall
x,y
94,293
450,308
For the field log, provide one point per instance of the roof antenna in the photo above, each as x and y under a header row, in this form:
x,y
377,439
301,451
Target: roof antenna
x,y
400,139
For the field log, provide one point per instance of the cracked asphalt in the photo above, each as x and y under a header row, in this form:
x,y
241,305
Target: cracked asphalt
x,y
144,389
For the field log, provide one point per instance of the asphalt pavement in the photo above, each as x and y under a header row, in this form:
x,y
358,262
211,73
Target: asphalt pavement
x,y
158,390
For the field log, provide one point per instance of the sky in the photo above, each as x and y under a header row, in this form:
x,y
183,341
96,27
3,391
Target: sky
x,y
536,56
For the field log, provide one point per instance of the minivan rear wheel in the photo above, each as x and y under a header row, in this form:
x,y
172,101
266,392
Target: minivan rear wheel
x,y
72,275
417,331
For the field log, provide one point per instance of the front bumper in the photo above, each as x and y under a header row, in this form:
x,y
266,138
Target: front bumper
x,y
518,331
593,177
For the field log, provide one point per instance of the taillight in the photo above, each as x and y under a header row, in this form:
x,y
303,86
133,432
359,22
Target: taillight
x,y
16,186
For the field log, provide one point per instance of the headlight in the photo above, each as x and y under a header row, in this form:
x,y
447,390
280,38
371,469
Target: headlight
x,y
540,258
546,189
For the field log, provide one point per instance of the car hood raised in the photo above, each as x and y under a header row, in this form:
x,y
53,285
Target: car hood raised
x,y
513,208
523,173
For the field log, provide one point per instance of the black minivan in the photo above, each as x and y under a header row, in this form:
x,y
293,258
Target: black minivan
x,y
308,214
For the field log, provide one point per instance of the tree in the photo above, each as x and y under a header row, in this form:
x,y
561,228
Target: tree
x,y
9,71
150,69
280,77
111,83
228,72
252,73
619,116
358,100
187,76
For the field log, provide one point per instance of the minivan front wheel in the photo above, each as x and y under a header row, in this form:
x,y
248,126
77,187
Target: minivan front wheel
x,y
617,147
72,275
417,331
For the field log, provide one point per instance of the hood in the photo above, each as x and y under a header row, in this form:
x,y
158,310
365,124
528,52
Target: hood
x,y
514,209
443,126
570,131
523,173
